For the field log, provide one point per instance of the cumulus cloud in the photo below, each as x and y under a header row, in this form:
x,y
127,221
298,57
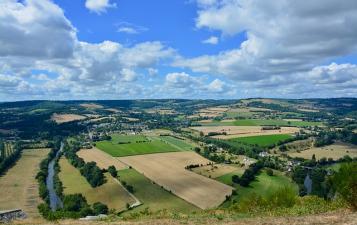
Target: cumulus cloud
x,y
211,40
128,28
283,37
99,6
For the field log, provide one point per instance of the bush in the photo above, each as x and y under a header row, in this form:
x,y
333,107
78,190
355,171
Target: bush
x,y
113,171
270,172
100,208
345,183
74,202
283,197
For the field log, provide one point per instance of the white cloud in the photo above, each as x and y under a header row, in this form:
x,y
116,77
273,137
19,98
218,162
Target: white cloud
x,y
99,6
216,86
211,40
283,37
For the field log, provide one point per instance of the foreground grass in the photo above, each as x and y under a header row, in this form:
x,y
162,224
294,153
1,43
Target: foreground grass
x,y
263,141
264,185
153,196
110,193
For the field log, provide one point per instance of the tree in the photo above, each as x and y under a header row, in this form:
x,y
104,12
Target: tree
x,y
100,208
345,183
197,149
113,171
235,179
74,202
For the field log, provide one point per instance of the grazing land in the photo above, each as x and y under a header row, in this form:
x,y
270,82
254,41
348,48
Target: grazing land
x,y
178,143
111,193
126,145
243,131
263,141
153,196
334,151
19,187
103,160
263,185
168,170
91,106
64,118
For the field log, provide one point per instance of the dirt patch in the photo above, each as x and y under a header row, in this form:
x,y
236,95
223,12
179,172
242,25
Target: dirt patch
x,y
168,170
102,159
19,187
64,118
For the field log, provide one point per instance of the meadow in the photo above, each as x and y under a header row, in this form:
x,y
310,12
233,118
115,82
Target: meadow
x,y
263,185
178,143
110,193
126,145
153,196
18,187
334,151
263,141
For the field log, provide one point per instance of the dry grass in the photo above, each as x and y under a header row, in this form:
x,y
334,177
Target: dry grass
x,y
243,131
111,193
341,217
18,187
215,170
168,170
91,106
334,151
64,118
102,159
113,110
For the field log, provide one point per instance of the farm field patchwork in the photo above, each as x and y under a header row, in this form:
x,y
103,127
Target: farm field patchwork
x,y
103,160
168,170
263,185
261,122
126,145
152,195
334,151
243,131
19,187
111,193
263,141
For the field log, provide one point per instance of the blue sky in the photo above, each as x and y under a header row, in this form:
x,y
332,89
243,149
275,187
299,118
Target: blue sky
x,y
222,49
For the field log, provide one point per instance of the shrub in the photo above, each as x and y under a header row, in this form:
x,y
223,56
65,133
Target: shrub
x,y
100,208
270,172
345,183
113,171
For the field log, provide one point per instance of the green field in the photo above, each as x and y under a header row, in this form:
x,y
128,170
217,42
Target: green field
x,y
257,122
264,140
178,143
153,196
263,185
115,149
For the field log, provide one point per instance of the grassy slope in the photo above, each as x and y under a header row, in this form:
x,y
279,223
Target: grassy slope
x,y
117,150
264,140
153,196
110,193
257,122
263,185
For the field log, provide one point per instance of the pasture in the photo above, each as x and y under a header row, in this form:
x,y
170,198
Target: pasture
x,y
263,141
91,106
334,151
178,143
102,159
111,193
263,185
152,195
64,118
126,145
168,170
242,131
19,187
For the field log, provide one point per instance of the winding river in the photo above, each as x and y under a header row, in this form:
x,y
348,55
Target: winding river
x,y
55,201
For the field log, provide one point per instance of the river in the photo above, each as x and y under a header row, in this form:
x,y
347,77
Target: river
x,y
55,201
